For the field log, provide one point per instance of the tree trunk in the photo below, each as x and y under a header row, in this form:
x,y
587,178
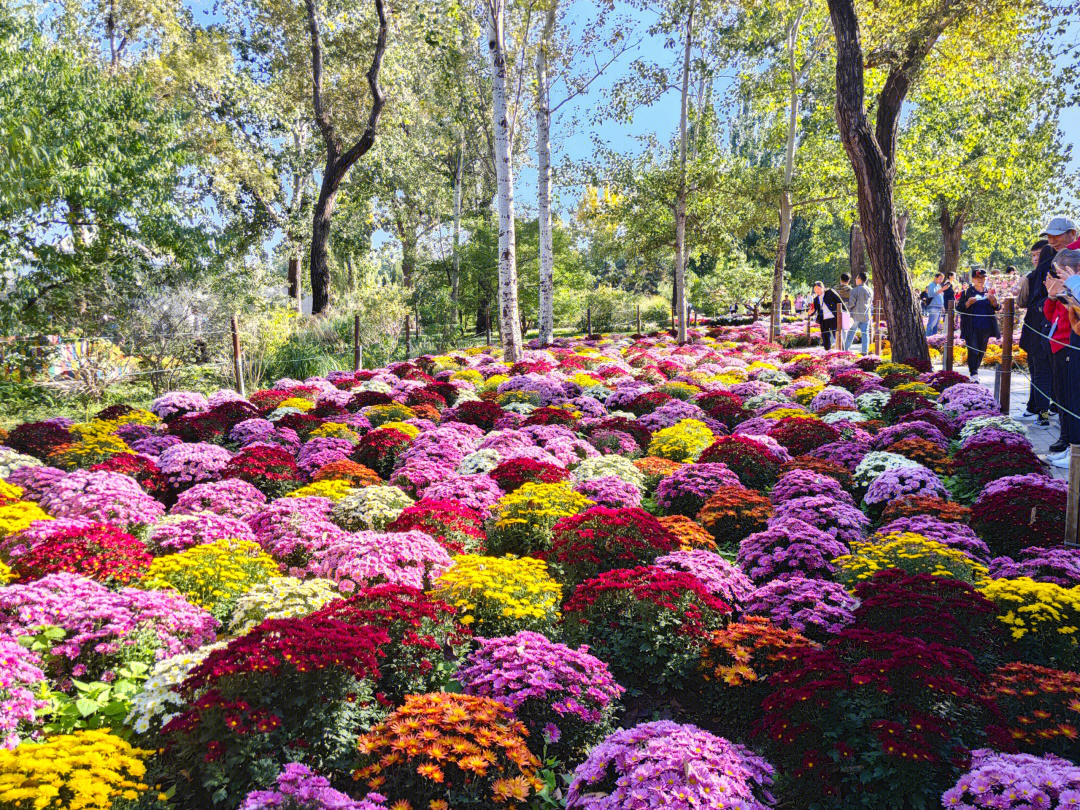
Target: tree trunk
x,y
789,170
680,200
338,160
408,265
874,174
455,275
952,234
543,181
509,323
857,252
320,238
295,289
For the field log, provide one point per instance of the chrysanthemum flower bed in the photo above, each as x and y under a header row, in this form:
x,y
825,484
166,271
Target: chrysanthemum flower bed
x,y
618,574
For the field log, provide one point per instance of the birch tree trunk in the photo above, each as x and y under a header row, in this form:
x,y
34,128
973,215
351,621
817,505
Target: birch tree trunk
x,y
680,201
509,322
789,172
455,275
543,182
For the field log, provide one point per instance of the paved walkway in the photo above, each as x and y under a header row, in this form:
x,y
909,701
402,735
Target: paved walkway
x,y
1041,437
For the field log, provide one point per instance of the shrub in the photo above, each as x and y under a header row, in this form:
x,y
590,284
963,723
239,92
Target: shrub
x,y
689,533
934,609
916,505
371,558
821,466
494,769
685,491
92,630
457,528
800,435
424,640
1039,709
816,608
142,469
979,463
213,576
600,539
836,518
512,474
1035,502
296,689
908,552
737,663
789,548
371,508
498,596
1060,566
87,770
681,765
93,550
1015,782
751,461
280,598
21,707
566,698
683,441
523,521
272,470
230,498
663,619
732,513
875,718
379,450
297,787
717,575
1042,618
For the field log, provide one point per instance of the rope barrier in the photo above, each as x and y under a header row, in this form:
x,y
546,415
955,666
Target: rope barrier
x,y
1050,398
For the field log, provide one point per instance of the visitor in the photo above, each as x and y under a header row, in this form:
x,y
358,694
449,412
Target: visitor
x,y
935,303
800,303
785,305
979,324
861,298
825,307
844,290
1059,233
1037,402
1058,333
1064,346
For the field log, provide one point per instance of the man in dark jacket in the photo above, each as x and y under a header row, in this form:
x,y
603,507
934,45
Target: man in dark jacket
x,y
825,307
1059,232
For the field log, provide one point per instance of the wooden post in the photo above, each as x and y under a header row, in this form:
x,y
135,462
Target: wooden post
x,y
588,321
950,329
489,332
238,372
755,313
1072,503
879,333
408,334
1005,369
639,319
808,325
358,361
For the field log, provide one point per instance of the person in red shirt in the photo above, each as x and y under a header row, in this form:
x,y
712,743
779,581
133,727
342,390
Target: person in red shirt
x,y
1065,346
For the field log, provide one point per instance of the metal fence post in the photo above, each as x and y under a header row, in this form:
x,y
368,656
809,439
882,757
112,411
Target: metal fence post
x,y
879,333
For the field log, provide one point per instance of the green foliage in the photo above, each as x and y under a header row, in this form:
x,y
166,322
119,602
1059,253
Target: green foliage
x,y
97,179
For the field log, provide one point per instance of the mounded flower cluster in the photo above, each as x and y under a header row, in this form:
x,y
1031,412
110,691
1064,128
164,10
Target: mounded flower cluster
x,y
850,566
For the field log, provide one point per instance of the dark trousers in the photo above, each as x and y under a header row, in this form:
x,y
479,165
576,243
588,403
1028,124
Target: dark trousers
x,y
976,350
1072,388
1060,371
1040,366
828,332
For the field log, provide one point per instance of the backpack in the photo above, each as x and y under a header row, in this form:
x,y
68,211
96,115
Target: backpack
x,y
924,297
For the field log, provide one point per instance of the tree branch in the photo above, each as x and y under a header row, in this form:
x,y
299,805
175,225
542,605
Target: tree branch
x,y
378,99
322,117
